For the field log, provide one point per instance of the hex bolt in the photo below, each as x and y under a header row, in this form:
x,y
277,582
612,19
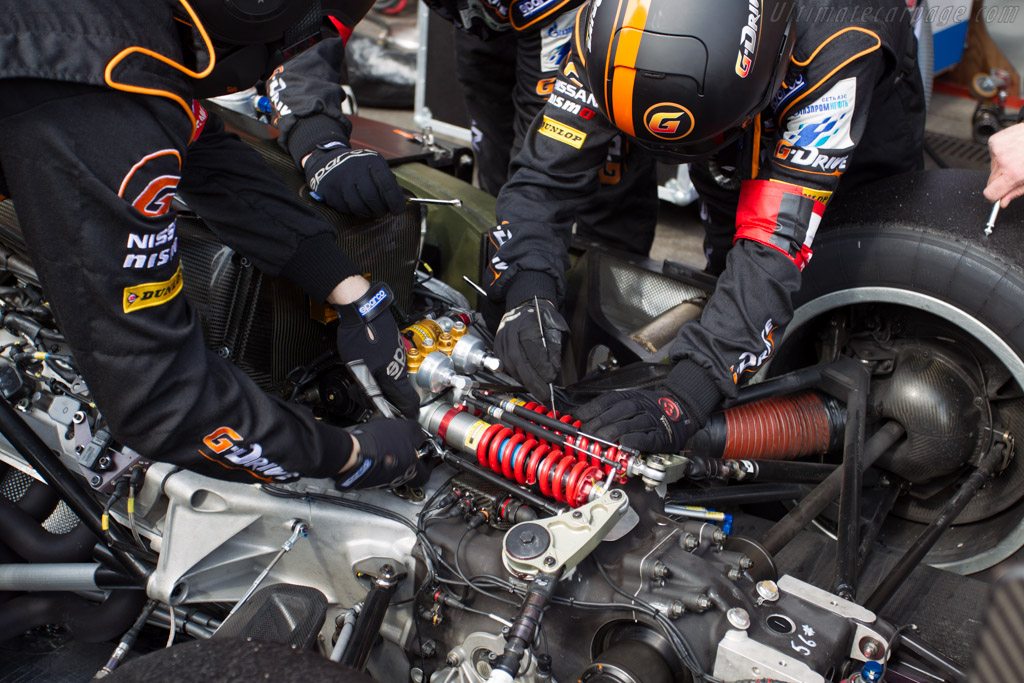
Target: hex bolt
x,y
527,537
616,494
549,561
387,571
720,536
676,610
660,570
451,660
577,515
689,541
746,562
703,602
428,649
871,648
734,574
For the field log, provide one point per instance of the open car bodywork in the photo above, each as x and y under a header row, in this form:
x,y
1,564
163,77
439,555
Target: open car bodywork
x,y
778,545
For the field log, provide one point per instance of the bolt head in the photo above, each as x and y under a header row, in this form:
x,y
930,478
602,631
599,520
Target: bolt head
x,y
577,515
616,494
96,480
549,561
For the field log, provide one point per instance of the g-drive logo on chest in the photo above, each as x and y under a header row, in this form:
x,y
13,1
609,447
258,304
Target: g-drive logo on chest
x,y
749,38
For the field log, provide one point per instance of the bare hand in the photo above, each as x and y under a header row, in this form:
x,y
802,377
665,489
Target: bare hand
x,y
1006,182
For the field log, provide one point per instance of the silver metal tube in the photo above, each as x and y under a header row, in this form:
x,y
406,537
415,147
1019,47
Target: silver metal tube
x,y
348,625
49,577
162,619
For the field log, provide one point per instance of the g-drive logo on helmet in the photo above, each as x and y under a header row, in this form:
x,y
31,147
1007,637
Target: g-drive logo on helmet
x,y
669,121
749,38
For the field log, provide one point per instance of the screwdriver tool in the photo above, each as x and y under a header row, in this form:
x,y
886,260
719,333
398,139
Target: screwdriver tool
x,y
443,202
992,218
540,324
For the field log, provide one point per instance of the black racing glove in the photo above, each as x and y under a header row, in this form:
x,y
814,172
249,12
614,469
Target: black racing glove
x,y
651,421
387,456
518,343
353,181
367,331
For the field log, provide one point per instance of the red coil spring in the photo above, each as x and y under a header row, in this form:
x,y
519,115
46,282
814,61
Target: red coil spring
x,y
567,476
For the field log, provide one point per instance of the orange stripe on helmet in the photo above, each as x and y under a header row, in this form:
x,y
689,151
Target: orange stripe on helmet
x,y
624,63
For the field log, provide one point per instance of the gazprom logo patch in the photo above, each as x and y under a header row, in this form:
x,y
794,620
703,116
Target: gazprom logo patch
x,y
368,307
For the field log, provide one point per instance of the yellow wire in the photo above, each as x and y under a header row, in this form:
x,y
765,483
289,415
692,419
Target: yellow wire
x,y
124,87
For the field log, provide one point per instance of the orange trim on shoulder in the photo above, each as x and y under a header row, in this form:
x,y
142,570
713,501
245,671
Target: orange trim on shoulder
x,y
541,17
878,44
139,90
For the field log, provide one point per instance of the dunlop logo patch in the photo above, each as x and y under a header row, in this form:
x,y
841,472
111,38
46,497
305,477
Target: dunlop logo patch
x,y
561,132
150,294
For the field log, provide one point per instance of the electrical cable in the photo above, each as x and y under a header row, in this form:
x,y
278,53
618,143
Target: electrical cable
x,y
889,644
679,643
172,628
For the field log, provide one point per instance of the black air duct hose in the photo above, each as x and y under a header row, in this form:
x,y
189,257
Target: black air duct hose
x,y
33,543
87,621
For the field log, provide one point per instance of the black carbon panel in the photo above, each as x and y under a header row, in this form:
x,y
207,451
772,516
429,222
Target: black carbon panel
x,y
386,248
282,613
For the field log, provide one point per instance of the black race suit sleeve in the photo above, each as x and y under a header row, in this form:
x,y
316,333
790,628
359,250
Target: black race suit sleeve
x,y
306,96
797,156
555,172
93,172
802,149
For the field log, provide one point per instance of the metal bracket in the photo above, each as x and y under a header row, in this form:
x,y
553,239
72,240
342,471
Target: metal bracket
x,y
563,541
660,469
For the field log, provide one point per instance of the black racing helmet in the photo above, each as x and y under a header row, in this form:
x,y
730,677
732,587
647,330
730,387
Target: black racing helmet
x,y
684,77
252,37
246,22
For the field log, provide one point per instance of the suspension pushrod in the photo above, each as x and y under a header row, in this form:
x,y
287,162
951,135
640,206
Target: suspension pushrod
x,y
949,512
821,496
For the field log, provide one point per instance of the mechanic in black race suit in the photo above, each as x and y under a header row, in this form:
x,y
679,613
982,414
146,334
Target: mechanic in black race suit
x,y
99,131
806,98
508,53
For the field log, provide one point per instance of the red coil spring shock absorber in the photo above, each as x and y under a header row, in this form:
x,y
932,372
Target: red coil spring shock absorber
x,y
584,450
527,460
